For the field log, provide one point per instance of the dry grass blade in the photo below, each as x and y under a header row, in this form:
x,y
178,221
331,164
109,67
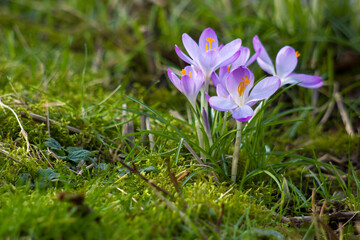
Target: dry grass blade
x,y
343,113
6,153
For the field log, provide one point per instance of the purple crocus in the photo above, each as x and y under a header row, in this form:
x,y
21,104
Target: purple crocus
x,y
190,84
243,60
208,55
240,100
286,61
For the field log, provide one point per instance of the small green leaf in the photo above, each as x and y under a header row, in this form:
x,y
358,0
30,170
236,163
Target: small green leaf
x,y
79,155
148,169
23,179
73,149
53,144
47,175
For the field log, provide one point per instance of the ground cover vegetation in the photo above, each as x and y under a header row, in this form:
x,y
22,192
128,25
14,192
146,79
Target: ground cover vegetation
x,y
97,143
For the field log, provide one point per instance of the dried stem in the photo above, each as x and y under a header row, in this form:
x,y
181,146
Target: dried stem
x,y
40,118
136,171
6,153
23,132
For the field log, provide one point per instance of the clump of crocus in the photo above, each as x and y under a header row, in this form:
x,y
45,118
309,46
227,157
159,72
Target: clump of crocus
x,y
227,67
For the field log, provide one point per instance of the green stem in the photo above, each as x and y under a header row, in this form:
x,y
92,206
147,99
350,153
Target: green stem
x,y
224,123
235,160
200,135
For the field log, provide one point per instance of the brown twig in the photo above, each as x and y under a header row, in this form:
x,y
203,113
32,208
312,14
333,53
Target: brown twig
x,y
180,176
136,171
335,217
172,176
40,118
221,215
87,167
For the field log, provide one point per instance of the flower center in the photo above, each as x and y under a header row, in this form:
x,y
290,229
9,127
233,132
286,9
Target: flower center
x,y
242,85
183,72
208,46
297,54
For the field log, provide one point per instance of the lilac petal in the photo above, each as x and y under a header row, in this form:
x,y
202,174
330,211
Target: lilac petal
x,y
207,96
189,88
228,61
183,56
254,56
199,79
223,71
305,80
243,113
286,61
242,59
263,59
208,61
221,91
230,49
191,46
221,104
215,79
174,79
208,33
206,122
234,79
188,69
264,89
318,85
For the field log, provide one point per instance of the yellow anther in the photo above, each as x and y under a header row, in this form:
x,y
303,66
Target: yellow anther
x,y
208,46
228,68
297,54
242,85
183,72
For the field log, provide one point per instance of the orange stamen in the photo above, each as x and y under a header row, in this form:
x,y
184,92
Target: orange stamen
x,y
189,74
228,68
208,46
297,54
183,72
242,85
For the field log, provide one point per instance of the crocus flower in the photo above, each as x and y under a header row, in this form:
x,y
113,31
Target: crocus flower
x,y
285,63
190,84
240,100
243,60
208,56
